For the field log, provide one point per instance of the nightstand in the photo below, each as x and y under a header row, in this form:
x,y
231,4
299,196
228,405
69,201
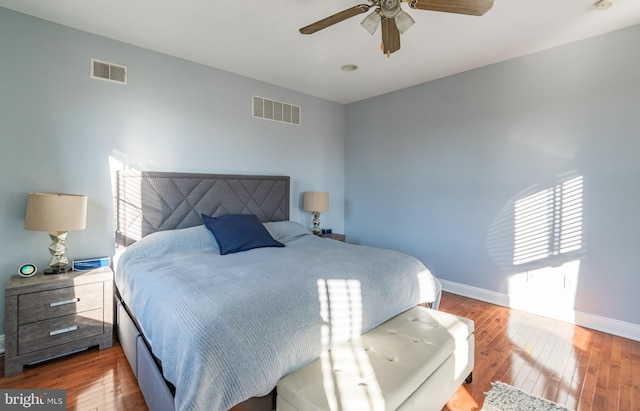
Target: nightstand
x,y
334,236
51,315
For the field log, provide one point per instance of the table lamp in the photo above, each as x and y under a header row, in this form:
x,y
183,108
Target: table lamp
x,y
316,202
57,214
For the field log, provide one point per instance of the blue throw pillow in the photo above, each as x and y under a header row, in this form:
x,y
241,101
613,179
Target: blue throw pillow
x,y
239,232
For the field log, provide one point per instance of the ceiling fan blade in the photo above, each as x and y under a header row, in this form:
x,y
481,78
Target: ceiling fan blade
x,y
471,7
390,36
336,18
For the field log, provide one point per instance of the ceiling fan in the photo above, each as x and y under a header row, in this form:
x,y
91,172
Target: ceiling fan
x,y
394,20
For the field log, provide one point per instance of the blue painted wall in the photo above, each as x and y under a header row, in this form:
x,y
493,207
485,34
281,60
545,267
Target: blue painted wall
x,y
435,170
59,129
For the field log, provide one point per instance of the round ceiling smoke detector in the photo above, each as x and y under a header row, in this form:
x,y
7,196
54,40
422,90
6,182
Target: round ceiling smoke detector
x,y
349,67
603,4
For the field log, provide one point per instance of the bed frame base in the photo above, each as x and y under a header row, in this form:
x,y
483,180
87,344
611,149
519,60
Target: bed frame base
x,y
154,387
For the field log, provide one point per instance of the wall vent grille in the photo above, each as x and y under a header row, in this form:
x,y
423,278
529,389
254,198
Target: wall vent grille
x,y
276,110
103,70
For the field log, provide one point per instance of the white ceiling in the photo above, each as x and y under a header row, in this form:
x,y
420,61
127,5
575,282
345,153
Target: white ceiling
x,y
260,39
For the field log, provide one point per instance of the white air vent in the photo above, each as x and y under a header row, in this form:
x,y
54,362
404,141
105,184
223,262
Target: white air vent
x,y
276,110
103,70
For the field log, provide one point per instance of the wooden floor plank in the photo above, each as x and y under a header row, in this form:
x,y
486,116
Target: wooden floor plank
x,y
94,380
579,368
576,367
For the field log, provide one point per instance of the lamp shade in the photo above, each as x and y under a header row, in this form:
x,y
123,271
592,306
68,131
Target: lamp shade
x,y
315,201
56,212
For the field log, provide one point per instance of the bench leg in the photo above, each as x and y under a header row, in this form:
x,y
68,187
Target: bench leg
x,y
469,378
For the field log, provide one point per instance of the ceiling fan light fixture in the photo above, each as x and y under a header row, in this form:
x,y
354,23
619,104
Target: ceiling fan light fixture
x,y
390,8
371,22
394,21
404,21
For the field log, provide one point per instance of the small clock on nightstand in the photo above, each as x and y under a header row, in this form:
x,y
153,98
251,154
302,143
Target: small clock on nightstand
x,y
334,236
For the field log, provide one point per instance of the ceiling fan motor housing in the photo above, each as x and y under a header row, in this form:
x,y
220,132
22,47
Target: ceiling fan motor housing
x,y
390,8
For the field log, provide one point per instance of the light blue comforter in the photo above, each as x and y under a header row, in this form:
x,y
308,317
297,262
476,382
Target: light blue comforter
x,y
227,328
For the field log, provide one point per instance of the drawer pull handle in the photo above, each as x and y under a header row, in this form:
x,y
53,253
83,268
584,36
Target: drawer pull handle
x,y
64,302
63,330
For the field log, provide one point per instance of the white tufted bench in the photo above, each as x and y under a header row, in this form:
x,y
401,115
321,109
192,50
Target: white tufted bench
x,y
414,361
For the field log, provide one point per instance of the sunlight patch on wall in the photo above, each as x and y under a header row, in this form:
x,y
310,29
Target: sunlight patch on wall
x,y
125,194
537,239
548,291
548,222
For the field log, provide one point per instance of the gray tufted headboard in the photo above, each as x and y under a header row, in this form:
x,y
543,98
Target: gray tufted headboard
x,y
149,201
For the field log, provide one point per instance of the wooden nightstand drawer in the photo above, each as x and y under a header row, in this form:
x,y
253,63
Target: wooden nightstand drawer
x,y
49,333
59,302
51,315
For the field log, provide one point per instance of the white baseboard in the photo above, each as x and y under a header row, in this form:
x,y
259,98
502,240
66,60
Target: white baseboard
x,y
595,322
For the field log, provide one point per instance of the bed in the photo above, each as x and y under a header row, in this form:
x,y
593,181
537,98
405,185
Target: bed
x,y
208,328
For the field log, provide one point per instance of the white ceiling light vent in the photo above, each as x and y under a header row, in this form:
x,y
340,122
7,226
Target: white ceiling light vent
x,y
276,110
103,70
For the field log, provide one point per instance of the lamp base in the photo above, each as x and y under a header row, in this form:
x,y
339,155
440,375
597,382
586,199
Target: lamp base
x,y
316,222
58,270
59,262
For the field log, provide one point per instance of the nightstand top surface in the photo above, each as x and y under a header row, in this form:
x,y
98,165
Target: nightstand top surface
x,y
39,282
334,236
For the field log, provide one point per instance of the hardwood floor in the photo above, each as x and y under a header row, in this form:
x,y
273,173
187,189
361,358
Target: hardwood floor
x,y
579,368
94,380
573,366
